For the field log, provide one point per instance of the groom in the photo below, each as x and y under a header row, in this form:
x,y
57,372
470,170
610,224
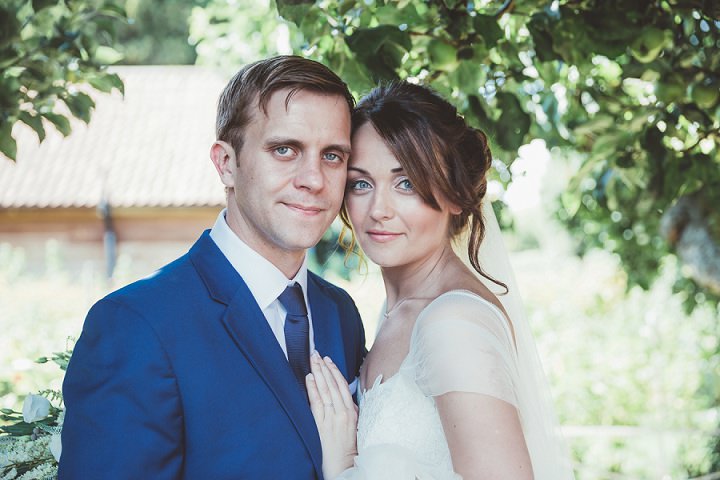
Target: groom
x,y
197,371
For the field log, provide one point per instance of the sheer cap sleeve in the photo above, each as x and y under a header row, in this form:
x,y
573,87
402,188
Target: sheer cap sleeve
x,y
462,343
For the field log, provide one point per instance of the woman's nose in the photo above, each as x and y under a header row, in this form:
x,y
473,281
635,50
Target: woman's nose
x,y
381,208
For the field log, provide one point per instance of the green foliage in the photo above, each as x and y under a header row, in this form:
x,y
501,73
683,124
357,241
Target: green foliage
x,y
40,309
634,376
329,257
629,90
61,359
12,422
30,441
49,51
229,34
157,32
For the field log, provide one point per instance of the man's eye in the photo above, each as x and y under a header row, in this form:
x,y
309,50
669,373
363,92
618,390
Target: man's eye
x,y
333,157
282,150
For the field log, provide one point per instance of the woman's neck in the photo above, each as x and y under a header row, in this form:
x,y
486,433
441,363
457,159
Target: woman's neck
x,y
418,279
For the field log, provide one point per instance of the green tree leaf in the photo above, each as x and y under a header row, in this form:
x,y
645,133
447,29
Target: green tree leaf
x,y
40,4
34,122
107,55
60,122
8,146
45,58
294,10
106,82
515,122
380,49
488,28
80,104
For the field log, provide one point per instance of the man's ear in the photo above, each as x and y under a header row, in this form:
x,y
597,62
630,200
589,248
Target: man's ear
x,y
223,157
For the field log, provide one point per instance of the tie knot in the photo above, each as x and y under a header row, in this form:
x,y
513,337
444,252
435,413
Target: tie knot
x,y
293,300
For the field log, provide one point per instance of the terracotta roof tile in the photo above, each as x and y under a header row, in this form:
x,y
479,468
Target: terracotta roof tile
x,y
148,149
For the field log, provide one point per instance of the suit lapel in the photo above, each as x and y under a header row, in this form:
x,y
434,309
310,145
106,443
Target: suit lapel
x,y
249,330
251,333
220,278
326,325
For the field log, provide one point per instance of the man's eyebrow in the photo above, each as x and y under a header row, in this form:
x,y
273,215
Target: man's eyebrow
x,y
297,143
275,142
282,141
343,148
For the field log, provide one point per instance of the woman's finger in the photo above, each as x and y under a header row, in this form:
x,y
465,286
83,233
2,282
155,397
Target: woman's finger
x,y
335,396
316,366
316,403
341,383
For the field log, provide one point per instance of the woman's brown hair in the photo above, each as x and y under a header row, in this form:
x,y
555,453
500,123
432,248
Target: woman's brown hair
x,y
439,151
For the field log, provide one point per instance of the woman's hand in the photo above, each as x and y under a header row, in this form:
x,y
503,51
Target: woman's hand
x,y
335,415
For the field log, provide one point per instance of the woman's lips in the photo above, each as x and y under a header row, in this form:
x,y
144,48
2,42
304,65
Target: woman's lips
x,y
382,236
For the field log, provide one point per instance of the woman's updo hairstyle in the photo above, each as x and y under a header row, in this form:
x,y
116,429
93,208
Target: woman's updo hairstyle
x,y
440,153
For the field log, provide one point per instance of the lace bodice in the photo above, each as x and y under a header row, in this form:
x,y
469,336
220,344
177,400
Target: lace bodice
x,y
396,412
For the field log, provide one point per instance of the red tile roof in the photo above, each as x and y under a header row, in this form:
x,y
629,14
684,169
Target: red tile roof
x,y
148,149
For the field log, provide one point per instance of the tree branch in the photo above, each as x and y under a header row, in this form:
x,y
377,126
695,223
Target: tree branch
x,y
685,228
505,8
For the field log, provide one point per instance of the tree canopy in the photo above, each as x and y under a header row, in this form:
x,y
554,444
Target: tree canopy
x,y
157,32
50,51
628,91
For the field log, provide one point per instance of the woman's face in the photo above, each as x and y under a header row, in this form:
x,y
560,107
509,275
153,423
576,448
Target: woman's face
x,y
393,225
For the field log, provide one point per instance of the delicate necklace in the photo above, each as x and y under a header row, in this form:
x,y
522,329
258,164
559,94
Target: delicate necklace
x,y
397,304
410,297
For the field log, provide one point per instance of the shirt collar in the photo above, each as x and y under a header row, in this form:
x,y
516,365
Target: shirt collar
x,y
264,280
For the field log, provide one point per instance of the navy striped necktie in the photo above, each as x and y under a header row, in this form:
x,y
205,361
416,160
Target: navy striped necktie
x,y
297,332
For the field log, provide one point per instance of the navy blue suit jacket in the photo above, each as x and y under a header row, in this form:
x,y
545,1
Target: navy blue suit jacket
x,y
179,376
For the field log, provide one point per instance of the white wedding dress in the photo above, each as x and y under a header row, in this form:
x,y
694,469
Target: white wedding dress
x,y
460,343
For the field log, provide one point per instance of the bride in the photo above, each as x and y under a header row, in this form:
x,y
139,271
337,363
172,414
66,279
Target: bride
x,y
452,387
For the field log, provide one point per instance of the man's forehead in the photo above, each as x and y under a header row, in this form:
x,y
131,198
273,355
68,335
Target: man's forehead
x,y
288,95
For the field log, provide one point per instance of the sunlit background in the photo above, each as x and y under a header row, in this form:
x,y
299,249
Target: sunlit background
x,y
635,376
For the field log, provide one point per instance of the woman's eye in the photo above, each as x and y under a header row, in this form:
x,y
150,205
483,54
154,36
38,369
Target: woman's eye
x,y
406,184
358,185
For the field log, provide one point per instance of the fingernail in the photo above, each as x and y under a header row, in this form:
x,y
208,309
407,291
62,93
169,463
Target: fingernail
x,y
328,359
310,377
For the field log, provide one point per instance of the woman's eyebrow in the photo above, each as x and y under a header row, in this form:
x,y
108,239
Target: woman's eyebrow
x,y
365,172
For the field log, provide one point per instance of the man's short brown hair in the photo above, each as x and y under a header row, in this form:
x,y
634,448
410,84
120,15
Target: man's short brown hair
x,y
255,83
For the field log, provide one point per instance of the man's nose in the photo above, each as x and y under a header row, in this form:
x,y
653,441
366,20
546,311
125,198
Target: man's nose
x,y
309,174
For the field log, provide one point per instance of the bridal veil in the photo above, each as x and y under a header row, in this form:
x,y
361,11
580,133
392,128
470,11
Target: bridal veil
x,y
550,458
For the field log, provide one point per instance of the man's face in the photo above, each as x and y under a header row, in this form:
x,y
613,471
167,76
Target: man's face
x,y
287,181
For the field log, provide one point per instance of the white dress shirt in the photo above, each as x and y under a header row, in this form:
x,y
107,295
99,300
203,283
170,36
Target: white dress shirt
x,y
265,281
